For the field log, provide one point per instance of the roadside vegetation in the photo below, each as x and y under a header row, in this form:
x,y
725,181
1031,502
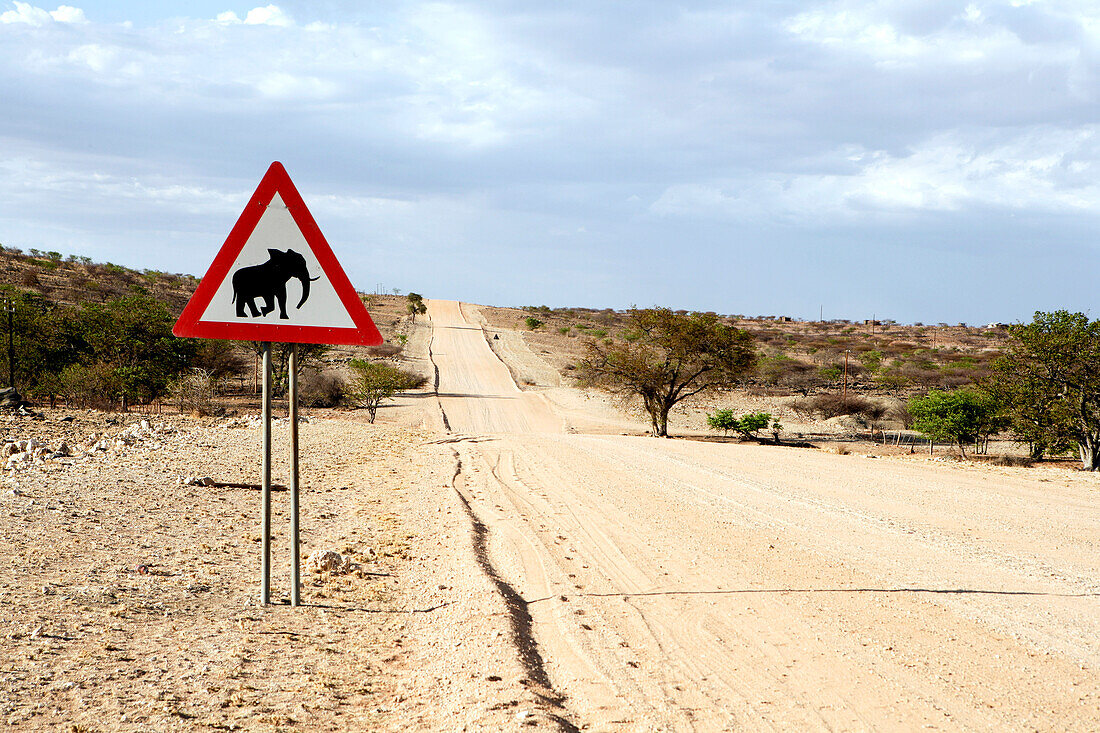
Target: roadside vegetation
x,y
86,334
92,335
1034,383
665,357
374,382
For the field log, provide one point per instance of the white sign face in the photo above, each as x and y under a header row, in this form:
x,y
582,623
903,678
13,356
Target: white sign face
x,y
276,279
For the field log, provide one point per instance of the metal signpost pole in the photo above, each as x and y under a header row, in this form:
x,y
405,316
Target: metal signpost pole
x,y
265,481
295,560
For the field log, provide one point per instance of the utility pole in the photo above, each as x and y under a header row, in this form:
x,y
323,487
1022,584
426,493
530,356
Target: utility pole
x,y
844,391
9,306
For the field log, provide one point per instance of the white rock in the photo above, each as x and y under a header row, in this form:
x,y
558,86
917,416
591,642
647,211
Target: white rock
x,y
328,561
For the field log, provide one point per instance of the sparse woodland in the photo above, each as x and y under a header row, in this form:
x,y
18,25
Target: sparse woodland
x,y
99,335
1038,383
94,335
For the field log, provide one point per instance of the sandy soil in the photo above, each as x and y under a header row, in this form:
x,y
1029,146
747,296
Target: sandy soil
x,y
524,558
129,600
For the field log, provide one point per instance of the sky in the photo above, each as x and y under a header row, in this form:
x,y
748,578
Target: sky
x,y
918,160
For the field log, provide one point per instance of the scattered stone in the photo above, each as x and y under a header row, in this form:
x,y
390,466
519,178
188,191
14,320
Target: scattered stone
x,y
329,561
10,398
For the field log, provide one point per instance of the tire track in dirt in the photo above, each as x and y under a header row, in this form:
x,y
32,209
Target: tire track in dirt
x,y
519,615
670,639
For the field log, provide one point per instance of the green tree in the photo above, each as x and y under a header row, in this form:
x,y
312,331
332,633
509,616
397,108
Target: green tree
x,y
723,420
415,305
372,382
747,425
1050,378
961,417
42,337
783,371
532,323
674,357
133,336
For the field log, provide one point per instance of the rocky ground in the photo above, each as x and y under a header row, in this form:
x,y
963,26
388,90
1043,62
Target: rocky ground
x,y
129,601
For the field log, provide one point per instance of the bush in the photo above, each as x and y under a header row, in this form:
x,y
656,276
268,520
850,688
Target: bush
x,y
782,371
532,323
385,351
871,360
194,392
723,420
747,425
321,389
374,382
834,405
962,416
89,385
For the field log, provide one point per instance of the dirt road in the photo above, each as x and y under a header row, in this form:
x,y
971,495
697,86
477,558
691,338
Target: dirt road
x,y
682,585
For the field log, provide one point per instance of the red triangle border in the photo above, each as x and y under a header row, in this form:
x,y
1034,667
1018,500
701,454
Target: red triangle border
x,y
276,180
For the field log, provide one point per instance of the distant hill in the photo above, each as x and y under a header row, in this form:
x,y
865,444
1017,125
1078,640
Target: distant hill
x,y
71,280
74,280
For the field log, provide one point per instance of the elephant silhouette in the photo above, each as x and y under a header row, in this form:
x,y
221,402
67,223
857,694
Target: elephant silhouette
x,y
267,281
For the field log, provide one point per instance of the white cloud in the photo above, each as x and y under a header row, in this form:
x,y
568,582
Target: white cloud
x,y
96,57
1041,170
281,85
267,15
68,14
31,15
870,31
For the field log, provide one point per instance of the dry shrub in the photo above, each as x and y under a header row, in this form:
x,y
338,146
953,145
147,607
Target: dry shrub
x,y
384,351
1014,461
321,389
900,413
834,405
194,392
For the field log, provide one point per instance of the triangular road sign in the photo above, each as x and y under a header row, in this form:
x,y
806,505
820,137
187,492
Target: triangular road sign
x,y
276,279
